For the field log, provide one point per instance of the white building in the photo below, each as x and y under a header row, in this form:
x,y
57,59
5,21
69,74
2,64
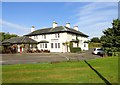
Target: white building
x,y
57,38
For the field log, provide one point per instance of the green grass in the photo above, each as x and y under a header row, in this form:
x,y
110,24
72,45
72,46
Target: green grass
x,y
64,72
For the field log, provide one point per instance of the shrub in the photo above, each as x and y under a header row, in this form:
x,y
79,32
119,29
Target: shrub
x,y
75,50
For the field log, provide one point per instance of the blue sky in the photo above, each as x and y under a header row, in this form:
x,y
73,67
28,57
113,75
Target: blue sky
x,y
91,17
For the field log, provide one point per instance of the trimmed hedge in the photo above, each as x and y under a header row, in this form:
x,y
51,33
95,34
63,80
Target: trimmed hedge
x,y
75,50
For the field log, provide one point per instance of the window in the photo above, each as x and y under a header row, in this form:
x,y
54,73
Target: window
x,y
55,45
57,35
51,45
84,45
35,37
40,45
45,45
43,36
58,45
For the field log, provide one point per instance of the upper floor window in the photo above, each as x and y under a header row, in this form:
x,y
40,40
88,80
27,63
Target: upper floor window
x,y
43,36
57,35
35,37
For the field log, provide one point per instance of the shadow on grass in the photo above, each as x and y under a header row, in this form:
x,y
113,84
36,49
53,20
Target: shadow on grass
x,y
105,80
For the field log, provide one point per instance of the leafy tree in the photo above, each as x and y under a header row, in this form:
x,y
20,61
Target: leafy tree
x,y
95,39
5,36
111,38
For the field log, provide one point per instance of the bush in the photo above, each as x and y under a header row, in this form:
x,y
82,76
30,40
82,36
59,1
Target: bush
x,y
75,50
93,45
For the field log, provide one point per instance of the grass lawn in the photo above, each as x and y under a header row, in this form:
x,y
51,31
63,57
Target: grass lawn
x,y
64,72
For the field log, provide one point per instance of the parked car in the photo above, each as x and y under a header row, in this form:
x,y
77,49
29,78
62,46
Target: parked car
x,y
98,51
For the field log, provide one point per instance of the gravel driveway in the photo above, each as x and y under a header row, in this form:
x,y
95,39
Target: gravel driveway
x,y
6,59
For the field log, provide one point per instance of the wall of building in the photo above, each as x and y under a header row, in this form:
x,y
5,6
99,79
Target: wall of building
x,y
84,46
63,38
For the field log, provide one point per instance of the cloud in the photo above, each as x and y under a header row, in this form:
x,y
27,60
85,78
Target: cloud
x,y
93,18
13,27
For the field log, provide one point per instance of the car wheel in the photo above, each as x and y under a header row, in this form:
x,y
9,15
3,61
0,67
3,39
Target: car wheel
x,y
98,53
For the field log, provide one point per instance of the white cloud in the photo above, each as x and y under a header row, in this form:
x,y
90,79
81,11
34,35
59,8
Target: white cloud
x,y
15,28
96,15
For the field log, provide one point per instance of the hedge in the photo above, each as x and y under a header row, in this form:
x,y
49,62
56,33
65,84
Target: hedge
x,y
75,50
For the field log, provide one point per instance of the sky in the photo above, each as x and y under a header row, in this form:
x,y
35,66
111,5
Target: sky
x,y
91,17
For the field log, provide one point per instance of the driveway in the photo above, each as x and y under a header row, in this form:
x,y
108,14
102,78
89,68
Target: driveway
x,y
6,59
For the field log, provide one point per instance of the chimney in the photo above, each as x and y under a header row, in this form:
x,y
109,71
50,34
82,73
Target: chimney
x,y
68,25
75,28
54,24
33,28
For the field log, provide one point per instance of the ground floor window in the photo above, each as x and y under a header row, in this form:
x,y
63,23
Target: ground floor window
x,y
51,45
55,45
45,45
58,45
84,44
40,45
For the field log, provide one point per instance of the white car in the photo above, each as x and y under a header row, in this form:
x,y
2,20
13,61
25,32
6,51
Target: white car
x,y
98,51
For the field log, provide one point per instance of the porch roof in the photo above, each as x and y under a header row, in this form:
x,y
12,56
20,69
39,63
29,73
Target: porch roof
x,y
19,40
43,41
73,40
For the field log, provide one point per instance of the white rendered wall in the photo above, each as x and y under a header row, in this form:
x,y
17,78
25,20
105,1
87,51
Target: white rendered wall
x,y
84,46
64,37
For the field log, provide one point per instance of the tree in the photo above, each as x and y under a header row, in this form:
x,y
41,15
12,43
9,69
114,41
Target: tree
x,y
111,38
95,39
5,36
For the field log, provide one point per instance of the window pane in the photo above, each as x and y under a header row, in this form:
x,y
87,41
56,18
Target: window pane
x,y
58,45
51,45
45,45
55,35
55,45
44,36
84,45
58,35
40,45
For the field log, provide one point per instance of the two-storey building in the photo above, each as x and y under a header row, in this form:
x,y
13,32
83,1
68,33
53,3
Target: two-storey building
x,y
57,38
